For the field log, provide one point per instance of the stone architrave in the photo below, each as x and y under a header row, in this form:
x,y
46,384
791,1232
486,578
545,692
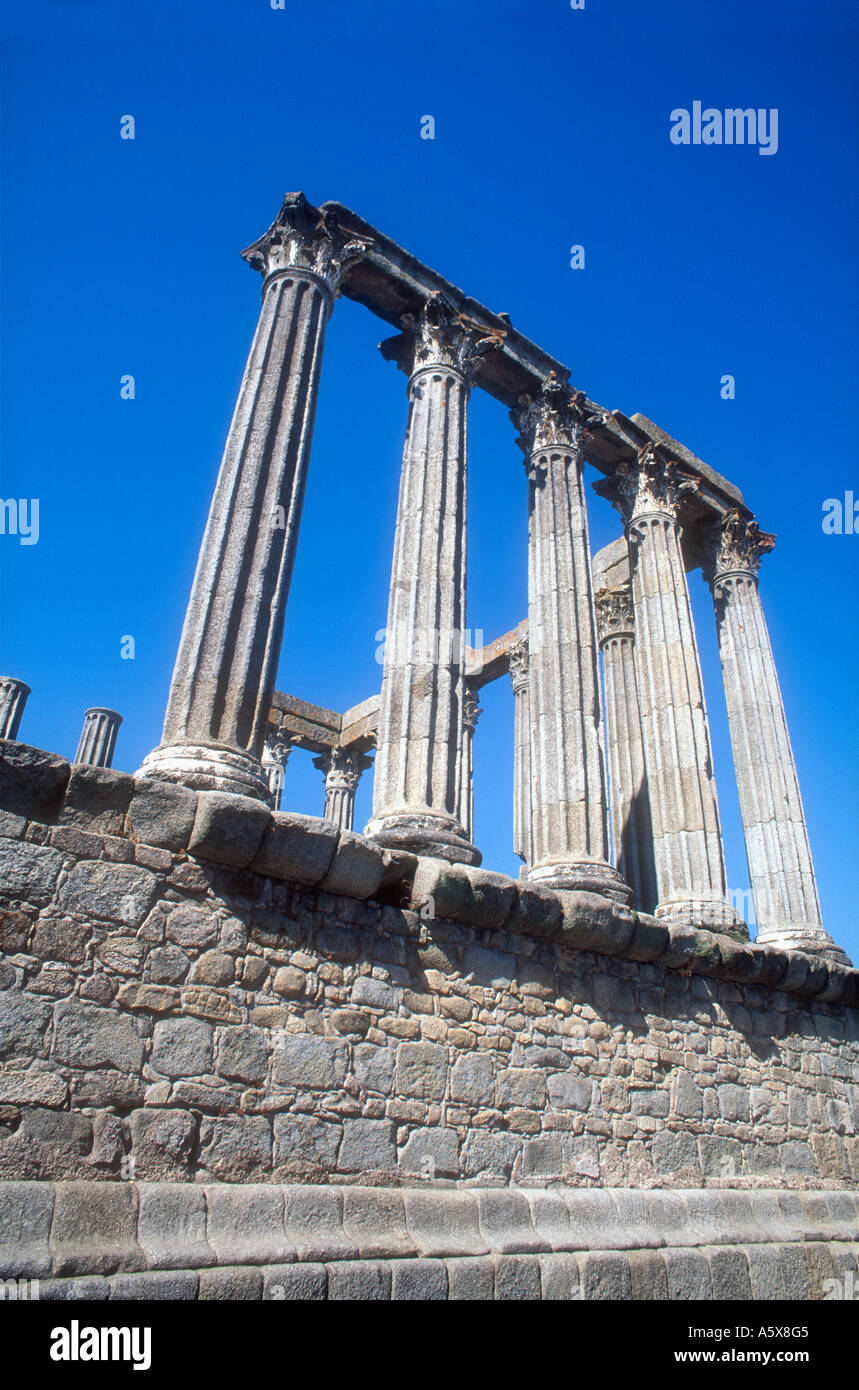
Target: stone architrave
x,y
98,737
632,831
471,712
223,680
784,890
687,840
417,802
13,698
569,816
275,756
342,768
517,665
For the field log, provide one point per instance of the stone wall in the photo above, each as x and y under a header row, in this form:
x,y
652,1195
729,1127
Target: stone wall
x,y
192,988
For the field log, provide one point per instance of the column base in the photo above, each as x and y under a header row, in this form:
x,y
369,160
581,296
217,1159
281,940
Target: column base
x,y
813,940
439,837
713,914
579,875
207,768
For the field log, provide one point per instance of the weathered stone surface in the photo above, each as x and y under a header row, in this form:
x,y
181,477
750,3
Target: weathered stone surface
x,y
161,1143
297,848
235,1148
182,1047
83,1208
28,872
87,1036
97,798
421,1070
306,1139
367,1145
120,893
32,782
356,868
242,1053
162,813
304,1059
228,828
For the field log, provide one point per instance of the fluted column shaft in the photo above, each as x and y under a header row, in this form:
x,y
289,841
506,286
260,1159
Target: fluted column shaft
x,y
517,659
224,677
569,824
781,870
417,802
342,769
687,841
629,804
98,737
470,715
13,698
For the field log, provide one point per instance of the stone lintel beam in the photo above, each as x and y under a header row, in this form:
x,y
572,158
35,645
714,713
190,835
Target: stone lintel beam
x,y
391,282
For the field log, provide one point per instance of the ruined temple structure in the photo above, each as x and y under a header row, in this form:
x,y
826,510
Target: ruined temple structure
x,y
246,1052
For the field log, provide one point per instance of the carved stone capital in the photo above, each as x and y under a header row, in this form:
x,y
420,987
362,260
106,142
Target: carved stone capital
x,y
614,613
649,485
734,545
439,335
518,665
342,768
302,238
558,416
277,748
471,710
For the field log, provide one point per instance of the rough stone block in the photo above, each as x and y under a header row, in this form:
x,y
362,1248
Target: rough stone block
x,y
517,1278
606,1277
162,813
489,1154
367,1281
231,1284
175,1287
236,1147
308,1060
228,829
356,869
89,1288
375,1219
121,893
162,1143
594,923
470,1280
296,848
94,1228
440,889
368,1146
314,1223
505,1220
98,798
32,781
729,1273
306,1140
25,1223
444,1223
29,873
421,1070
433,1152
244,1224
648,1275
472,1080
423,1281
536,911
88,1036
172,1225
490,900
182,1047
242,1053
305,1283
688,1275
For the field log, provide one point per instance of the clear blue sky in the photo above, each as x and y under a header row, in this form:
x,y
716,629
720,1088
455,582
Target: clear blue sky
x,y
552,129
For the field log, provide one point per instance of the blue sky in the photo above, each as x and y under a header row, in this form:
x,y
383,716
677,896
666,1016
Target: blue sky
x,y
552,129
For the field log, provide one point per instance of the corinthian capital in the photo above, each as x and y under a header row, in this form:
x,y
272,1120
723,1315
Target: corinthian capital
x,y
342,767
302,238
614,612
649,484
735,544
438,335
517,664
558,415
471,710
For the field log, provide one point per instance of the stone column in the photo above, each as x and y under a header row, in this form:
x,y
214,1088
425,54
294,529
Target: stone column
x,y
687,840
342,768
781,870
13,698
275,756
470,714
569,822
632,831
517,665
220,696
98,737
417,801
